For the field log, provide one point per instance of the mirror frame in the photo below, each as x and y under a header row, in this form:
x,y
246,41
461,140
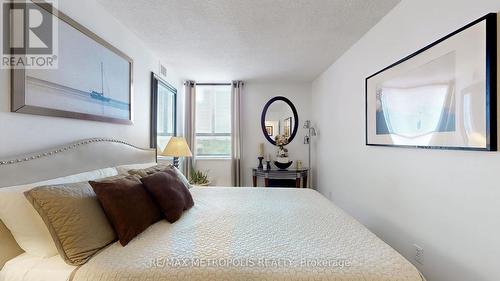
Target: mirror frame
x,y
263,119
156,81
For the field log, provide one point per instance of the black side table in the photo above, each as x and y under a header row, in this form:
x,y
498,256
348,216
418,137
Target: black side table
x,y
297,174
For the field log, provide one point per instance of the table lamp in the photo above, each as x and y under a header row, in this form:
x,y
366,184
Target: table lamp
x,y
177,147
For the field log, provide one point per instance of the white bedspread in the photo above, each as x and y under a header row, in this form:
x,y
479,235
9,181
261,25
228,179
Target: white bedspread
x,y
253,234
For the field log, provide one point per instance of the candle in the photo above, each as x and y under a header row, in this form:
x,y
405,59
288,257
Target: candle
x,y
261,150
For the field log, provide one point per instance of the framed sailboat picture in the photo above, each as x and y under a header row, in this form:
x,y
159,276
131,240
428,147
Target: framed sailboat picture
x,y
92,80
441,97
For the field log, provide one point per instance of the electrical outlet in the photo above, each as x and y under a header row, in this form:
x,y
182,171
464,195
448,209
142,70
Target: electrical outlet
x,y
419,254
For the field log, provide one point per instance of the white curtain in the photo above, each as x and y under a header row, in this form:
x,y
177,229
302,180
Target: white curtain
x,y
189,124
237,88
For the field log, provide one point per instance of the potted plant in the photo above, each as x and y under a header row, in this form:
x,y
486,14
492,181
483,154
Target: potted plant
x,y
199,178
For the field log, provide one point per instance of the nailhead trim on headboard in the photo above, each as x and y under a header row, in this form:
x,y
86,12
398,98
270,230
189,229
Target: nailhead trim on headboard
x,y
65,148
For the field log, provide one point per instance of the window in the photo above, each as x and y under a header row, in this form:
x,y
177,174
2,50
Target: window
x,y
213,120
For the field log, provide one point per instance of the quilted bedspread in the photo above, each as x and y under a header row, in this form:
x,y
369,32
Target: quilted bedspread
x,y
250,234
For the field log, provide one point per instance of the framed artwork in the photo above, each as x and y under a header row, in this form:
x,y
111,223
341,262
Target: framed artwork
x,y
269,130
442,96
163,112
93,80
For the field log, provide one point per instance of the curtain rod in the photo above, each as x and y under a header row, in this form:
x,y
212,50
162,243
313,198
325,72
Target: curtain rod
x,y
213,84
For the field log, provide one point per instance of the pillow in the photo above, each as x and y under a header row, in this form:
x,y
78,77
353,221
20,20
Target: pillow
x,y
74,218
181,177
183,185
167,193
149,171
26,267
160,168
123,169
127,205
25,223
8,248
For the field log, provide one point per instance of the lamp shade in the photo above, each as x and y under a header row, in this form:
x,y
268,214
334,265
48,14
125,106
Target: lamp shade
x,y
177,147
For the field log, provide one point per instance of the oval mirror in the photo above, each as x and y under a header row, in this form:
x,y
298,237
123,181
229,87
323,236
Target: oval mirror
x,y
279,117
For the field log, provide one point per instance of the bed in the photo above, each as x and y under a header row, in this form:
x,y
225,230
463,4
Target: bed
x,y
230,234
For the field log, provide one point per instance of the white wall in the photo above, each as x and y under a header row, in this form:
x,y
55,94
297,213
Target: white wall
x,y
255,96
21,133
219,170
445,201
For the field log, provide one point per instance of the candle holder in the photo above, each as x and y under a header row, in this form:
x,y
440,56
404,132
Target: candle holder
x,y
268,166
260,163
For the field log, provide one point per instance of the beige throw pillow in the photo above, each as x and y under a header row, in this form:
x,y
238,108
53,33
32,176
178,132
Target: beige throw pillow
x,y
75,219
161,168
8,248
23,220
149,171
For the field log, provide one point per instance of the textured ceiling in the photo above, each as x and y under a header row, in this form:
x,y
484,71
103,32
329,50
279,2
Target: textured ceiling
x,y
216,40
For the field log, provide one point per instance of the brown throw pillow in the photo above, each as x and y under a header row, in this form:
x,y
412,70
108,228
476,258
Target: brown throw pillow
x,y
74,218
182,185
181,177
169,193
128,206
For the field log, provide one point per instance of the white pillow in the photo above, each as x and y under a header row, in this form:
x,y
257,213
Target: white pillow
x,y
123,169
27,267
25,223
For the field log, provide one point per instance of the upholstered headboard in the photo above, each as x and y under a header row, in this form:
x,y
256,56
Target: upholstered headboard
x,y
78,157
73,158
